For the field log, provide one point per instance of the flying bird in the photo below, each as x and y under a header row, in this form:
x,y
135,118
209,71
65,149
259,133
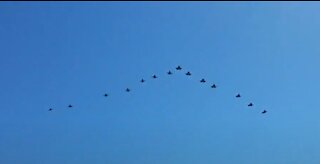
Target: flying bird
x,y
154,76
178,68
188,74
202,81
169,72
127,90
50,109
142,80
250,104
106,95
238,96
263,112
70,106
213,86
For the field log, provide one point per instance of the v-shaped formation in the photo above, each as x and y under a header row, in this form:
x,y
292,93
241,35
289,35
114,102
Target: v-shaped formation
x,y
178,68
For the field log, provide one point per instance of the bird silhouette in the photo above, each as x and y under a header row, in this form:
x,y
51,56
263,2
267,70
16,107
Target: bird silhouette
x,y
127,90
250,104
50,109
142,80
188,74
169,73
213,86
70,106
154,76
106,95
178,68
263,112
202,81
238,96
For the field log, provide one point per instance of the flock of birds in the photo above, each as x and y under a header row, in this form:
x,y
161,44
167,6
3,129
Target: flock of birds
x,y
178,68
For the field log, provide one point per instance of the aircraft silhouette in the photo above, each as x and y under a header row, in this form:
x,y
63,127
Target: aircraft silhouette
x,y
250,104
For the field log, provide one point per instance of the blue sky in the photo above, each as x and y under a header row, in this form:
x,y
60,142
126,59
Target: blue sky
x,y
55,54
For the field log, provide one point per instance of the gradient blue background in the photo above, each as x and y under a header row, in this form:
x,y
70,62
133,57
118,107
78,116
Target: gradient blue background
x,y
55,54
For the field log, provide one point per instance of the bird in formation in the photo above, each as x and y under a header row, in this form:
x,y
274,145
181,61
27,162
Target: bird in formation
x,y
170,73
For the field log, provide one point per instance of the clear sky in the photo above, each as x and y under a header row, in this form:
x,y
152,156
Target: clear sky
x,y
55,54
